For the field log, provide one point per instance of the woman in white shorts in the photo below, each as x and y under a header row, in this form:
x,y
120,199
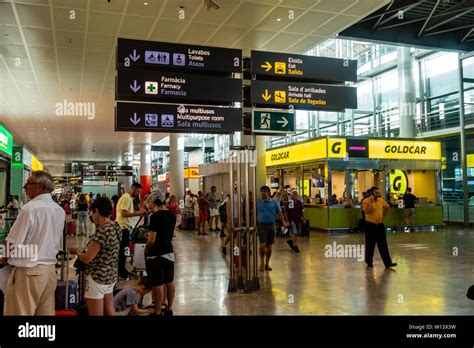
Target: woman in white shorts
x,y
101,259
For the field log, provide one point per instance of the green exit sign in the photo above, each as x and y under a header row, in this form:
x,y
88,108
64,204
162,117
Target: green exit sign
x,y
6,141
273,122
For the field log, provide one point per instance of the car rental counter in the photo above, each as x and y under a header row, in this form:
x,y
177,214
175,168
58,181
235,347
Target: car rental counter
x,y
331,173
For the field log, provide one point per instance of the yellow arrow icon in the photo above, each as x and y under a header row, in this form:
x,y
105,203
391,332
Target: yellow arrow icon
x,y
266,96
267,66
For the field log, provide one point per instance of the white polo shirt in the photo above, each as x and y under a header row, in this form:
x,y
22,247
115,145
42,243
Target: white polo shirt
x,y
36,233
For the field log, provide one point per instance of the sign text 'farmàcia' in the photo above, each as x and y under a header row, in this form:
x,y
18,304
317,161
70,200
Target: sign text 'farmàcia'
x,y
140,54
303,67
336,147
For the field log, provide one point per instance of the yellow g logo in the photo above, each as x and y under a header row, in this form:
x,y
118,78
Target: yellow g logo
x,y
398,183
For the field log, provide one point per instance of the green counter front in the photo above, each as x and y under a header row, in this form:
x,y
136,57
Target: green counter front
x,y
324,218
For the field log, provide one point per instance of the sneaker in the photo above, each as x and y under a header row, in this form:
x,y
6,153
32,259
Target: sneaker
x,y
218,229
290,243
222,235
296,249
224,250
393,264
268,268
370,265
167,313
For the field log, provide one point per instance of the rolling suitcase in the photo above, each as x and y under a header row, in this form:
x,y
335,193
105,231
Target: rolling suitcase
x,y
139,264
66,293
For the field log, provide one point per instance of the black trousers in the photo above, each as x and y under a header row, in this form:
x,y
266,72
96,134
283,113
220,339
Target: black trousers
x,y
124,246
375,234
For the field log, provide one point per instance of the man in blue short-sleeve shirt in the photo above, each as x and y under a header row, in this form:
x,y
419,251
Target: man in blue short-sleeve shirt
x,y
267,212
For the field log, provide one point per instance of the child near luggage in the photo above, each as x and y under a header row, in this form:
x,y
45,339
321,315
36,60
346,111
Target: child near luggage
x,y
127,300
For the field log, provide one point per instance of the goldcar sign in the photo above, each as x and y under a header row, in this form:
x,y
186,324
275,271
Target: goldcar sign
x,y
404,149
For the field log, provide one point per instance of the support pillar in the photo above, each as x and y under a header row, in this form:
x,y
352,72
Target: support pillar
x,y
127,180
177,165
406,93
260,159
145,170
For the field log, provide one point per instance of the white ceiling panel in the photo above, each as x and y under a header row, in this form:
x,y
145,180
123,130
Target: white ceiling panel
x,y
308,22
10,34
39,37
138,8
217,17
172,9
105,23
248,15
167,30
198,33
255,38
70,39
136,27
336,6
278,19
65,20
225,35
100,42
13,51
6,14
67,55
42,53
72,4
281,42
115,6
34,16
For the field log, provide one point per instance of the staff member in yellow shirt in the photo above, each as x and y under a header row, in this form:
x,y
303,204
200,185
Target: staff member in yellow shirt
x,y
375,209
125,212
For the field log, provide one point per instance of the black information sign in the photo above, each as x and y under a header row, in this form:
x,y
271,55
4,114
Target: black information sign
x,y
307,96
358,148
138,54
137,117
303,67
174,87
94,173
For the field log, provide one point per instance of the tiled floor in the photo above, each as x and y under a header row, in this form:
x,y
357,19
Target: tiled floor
x,y
433,274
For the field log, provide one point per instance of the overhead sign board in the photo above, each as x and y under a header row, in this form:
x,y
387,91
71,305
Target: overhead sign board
x,y
191,173
168,87
308,96
303,67
270,122
304,152
6,141
162,55
136,117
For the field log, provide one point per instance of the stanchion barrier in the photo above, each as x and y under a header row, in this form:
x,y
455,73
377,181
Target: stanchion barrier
x,y
240,277
232,281
248,280
255,280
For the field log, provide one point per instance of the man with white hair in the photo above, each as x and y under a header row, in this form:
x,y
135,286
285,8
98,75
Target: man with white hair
x,y
38,228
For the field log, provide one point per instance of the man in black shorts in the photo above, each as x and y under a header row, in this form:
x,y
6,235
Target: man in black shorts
x,y
409,210
160,256
267,212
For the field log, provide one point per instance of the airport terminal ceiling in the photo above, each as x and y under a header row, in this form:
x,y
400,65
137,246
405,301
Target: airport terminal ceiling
x,y
55,54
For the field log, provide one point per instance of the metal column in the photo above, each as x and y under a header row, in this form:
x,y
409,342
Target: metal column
x,y
462,134
232,283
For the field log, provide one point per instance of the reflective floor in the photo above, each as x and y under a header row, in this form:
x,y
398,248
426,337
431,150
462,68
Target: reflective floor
x,y
434,271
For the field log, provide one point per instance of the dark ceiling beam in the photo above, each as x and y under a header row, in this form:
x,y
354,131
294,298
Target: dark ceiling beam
x,y
404,9
463,8
429,17
400,24
448,30
407,3
467,35
383,14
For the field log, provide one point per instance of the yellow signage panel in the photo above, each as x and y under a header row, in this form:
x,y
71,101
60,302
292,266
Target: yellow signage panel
x,y
470,160
191,173
305,187
336,148
36,164
405,149
296,153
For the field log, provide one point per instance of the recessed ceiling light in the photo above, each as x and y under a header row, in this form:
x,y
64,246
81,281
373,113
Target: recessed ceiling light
x,y
278,19
27,86
145,3
44,128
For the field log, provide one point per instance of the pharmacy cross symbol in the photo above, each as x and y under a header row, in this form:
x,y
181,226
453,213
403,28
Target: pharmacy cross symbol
x,y
151,87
